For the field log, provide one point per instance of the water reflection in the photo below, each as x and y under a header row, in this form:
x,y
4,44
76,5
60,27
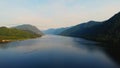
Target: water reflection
x,y
114,53
109,50
54,52
3,46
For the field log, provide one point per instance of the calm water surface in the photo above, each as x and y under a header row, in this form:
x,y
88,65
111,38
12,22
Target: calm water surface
x,y
55,52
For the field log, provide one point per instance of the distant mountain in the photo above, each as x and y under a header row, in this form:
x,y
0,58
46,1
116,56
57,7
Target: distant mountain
x,y
81,29
55,31
107,31
29,28
12,34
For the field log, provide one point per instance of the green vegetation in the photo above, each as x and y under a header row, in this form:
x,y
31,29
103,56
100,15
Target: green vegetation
x,y
13,34
106,32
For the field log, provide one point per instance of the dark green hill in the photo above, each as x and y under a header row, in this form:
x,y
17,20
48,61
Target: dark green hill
x,y
82,30
15,34
107,31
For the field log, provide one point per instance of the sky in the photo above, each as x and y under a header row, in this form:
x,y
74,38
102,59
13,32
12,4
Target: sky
x,y
47,14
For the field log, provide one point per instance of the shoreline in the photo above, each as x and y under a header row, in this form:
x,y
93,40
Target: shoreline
x,y
11,40
5,41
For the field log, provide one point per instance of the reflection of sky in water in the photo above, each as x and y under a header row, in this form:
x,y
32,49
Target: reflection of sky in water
x,y
53,51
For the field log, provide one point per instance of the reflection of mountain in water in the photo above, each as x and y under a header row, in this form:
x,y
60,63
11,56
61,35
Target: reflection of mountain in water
x,y
9,45
3,46
56,51
114,53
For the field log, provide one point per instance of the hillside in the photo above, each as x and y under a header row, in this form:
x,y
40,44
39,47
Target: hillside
x,y
107,31
12,34
82,29
29,28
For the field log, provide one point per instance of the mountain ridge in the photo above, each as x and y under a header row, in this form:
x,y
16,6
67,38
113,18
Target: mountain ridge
x,y
106,31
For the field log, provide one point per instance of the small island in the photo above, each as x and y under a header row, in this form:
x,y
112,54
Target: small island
x,y
14,34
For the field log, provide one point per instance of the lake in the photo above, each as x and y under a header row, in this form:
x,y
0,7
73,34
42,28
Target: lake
x,y
51,51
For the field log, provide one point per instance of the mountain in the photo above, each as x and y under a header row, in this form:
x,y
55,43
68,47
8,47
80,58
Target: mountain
x,y
81,29
107,31
54,31
11,34
29,28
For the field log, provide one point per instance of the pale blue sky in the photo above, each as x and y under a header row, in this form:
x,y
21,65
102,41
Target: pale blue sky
x,y
55,13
